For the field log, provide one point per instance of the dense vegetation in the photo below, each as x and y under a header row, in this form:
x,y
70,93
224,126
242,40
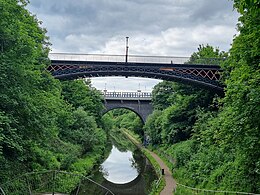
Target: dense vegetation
x,y
123,119
44,124
48,124
215,140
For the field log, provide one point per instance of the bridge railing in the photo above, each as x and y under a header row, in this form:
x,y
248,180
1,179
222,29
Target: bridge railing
x,y
130,58
127,95
49,182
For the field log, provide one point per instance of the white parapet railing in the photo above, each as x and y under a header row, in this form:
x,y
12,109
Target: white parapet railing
x,y
118,58
127,95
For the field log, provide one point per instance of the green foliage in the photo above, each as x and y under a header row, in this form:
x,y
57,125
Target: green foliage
x,y
8,136
181,152
43,124
237,125
136,139
207,55
153,127
161,95
107,122
79,93
127,119
223,153
83,130
29,96
132,122
177,121
179,103
48,125
85,165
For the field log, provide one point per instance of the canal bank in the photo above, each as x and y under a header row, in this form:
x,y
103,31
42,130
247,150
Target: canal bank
x,y
167,185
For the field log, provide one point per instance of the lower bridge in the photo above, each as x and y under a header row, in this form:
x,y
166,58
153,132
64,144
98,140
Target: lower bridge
x,y
138,102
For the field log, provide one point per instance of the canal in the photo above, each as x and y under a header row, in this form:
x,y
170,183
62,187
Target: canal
x,y
125,171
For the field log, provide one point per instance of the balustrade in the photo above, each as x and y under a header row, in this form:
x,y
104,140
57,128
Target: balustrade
x,y
127,95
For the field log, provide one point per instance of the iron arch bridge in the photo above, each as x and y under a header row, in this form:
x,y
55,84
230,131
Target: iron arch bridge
x,y
73,66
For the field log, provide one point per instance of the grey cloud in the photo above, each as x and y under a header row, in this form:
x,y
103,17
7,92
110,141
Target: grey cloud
x,y
107,18
213,12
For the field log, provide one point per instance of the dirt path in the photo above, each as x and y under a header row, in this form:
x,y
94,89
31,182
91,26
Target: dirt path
x,y
170,183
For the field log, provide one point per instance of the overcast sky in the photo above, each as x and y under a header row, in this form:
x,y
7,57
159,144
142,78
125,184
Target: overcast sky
x,y
154,27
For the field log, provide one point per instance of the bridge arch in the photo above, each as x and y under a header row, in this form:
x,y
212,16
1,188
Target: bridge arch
x,y
143,119
138,102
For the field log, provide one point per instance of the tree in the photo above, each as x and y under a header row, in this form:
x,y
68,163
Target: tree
x,y
29,97
83,131
153,127
33,113
161,94
228,155
238,122
207,55
81,94
180,102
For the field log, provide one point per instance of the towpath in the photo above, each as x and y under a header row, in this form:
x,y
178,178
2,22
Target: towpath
x,y
170,183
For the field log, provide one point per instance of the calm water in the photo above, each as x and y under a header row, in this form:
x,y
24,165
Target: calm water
x,y
119,167
124,172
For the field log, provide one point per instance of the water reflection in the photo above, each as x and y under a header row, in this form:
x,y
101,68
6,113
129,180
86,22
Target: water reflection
x,y
119,167
126,171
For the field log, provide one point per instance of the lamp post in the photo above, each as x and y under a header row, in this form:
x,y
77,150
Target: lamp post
x,y
126,51
105,90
